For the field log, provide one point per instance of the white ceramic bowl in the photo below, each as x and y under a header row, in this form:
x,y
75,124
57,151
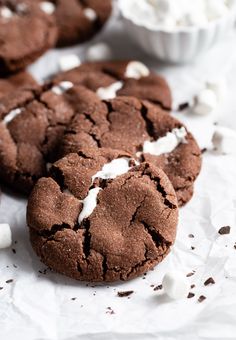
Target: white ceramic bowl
x,y
181,45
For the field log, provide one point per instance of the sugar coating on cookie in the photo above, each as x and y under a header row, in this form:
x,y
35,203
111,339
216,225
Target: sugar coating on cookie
x,y
108,230
11,115
90,14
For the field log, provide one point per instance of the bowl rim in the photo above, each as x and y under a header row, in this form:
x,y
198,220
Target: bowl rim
x,y
178,29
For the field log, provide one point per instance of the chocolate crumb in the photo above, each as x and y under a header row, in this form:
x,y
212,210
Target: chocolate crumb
x,y
159,287
183,106
209,281
192,248
110,311
192,286
190,274
190,295
201,298
204,150
14,265
9,281
152,286
191,236
235,246
73,299
125,294
1,288
14,251
224,230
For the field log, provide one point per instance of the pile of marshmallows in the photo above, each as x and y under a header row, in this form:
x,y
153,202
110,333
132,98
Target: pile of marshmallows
x,y
171,14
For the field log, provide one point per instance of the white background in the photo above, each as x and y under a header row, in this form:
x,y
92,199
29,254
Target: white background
x,y
38,306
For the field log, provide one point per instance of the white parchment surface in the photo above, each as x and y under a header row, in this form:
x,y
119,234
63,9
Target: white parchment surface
x,y
48,306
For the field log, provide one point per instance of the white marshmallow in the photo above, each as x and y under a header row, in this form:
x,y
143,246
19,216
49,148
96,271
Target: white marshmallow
x,y
67,62
136,70
224,140
89,204
157,13
176,285
97,52
90,14
216,9
6,13
5,236
11,115
205,102
219,87
109,92
62,87
47,7
113,169
167,143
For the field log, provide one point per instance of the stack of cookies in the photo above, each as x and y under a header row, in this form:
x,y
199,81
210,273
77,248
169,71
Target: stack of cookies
x,y
106,164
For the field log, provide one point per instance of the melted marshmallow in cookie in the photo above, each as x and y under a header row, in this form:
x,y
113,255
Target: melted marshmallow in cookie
x,y
90,14
11,115
62,87
6,13
167,143
111,170
47,7
109,92
136,70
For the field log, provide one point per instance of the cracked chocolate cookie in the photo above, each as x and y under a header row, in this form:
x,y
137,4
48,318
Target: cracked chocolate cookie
x,y
120,78
32,123
26,32
100,217
22,80
143,130
78,20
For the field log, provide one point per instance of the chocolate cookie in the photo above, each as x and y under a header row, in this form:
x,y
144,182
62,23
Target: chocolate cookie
x,y
32,124
143,130
79,20
22,80
26,32
101,218
120,78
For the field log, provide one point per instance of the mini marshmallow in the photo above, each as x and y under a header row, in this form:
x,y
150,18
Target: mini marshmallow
x,y
97,52
216,9
67,62
136,70
47,7
224,140
167,143
219,87
176,285
6,12
5,236
89,204
62,87
113,169
109,92
205,102
11,115
90,14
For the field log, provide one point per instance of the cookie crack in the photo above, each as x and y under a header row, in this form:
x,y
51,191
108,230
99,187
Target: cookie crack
x,y
159,187
157,238
148,122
